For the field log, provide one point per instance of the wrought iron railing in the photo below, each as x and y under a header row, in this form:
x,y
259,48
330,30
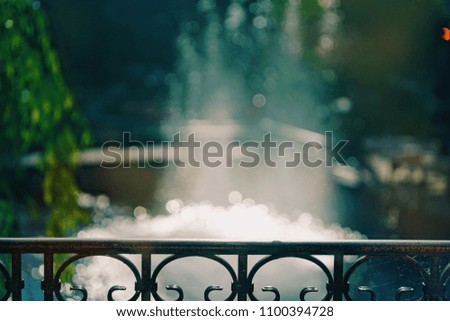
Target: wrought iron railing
x,y
347,267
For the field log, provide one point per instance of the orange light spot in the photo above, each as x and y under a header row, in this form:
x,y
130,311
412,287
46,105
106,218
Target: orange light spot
x,y
446,34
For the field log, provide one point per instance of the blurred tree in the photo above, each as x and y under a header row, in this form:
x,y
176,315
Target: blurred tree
x,y
38,114
383,58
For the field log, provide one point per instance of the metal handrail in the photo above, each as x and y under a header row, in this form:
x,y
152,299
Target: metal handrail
x,y
429,258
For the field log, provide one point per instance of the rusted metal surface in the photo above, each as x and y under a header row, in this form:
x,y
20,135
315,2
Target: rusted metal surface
x,y
76,245
428,259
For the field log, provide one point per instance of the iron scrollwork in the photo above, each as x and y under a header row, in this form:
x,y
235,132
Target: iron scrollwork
x,y
444,281
417,270
179,290
400,291
304,291
83,291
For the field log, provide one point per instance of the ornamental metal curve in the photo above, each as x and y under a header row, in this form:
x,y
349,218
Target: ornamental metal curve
x,y
400,290
304,291
8,281
83,291
444,280
174,287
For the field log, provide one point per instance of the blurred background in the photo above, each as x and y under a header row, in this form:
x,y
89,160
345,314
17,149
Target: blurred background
x,y
77,74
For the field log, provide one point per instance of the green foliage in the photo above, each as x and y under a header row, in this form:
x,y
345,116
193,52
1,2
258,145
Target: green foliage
x,y
38,114
6,221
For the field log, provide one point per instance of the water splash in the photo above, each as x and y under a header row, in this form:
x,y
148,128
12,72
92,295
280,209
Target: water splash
x,y
242,219
230,67
291,38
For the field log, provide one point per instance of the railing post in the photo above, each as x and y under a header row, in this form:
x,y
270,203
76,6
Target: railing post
x,y
242,277
17,281
338,277
146,276
433,286
47,283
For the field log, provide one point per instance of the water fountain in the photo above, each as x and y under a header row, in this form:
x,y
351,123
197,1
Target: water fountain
x,y
235,76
